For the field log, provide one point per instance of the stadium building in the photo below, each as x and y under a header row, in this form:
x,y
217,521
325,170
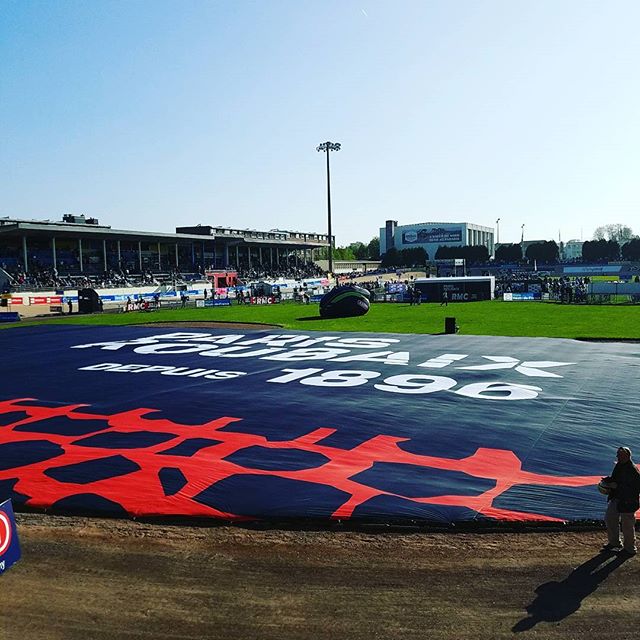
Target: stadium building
x,y
79,245
431,235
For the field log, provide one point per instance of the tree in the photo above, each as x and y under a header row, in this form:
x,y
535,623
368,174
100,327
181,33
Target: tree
x,y
391,258
546,251
471,253
631,250
374,248
359,250
416,256
600,250
619,233
509,253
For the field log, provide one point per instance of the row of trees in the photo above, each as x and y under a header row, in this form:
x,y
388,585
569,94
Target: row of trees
x,y
547,251
405,257
610,242
592,251
354,251
474,253
600,250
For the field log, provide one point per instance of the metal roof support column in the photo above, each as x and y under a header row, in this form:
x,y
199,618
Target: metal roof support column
x,y
237,257
80,255
271,255
176,255
140,254
249,255
53,252
119,256
260,254
159,258
24,254
104,254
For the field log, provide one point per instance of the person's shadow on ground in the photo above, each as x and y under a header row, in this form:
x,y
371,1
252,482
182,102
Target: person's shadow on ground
x,y
558,600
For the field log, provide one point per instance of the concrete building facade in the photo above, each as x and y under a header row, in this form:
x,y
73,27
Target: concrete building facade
x,y
431,235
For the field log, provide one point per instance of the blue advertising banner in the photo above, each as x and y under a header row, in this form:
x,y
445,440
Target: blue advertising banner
x,y
267,424
437,235
522,297
9,545
214,302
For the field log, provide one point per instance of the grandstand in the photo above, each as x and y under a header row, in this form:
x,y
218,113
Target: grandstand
x,y
79,252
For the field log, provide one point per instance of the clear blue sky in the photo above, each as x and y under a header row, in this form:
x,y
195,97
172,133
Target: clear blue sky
x,y
152,114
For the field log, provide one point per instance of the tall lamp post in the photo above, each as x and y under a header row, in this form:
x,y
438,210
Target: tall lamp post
x,y
327,147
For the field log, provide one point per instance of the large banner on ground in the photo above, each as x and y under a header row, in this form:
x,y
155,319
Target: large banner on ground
x,y
272,425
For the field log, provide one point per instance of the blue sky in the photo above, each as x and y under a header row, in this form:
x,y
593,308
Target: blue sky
x,y
150,115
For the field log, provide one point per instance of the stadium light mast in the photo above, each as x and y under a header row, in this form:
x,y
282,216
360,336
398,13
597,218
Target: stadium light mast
x,y
327,147
522,234
498,231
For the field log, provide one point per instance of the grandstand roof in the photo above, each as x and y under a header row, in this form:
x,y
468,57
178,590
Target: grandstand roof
x,y
15,226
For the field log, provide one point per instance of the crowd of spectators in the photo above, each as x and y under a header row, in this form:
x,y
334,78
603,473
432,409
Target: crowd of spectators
x,y
564,288
47,278
290,270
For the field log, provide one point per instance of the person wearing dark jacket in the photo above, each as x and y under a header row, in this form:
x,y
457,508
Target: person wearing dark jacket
x,y
623,502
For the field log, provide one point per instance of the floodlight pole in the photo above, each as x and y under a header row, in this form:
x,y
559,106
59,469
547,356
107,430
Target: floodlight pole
x,y
498,231
327,147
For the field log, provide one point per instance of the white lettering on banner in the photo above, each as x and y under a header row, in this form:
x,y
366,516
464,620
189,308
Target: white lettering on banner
x,y
483,391
172,348
385,357
2,565
408,384
443,360
346,378
416,384
294,348
363,343
319,353
238,352
277,340
115,345
531,369
164,370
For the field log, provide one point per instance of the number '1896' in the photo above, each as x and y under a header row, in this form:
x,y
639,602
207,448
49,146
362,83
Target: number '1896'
x,y
416,384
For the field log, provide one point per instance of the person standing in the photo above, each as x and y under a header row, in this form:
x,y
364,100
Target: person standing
x,y
445,299
623,502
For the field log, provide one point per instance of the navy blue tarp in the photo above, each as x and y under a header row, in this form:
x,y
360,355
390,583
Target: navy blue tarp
x,y
233,425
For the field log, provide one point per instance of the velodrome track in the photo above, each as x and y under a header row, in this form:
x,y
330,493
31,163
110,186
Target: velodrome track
x,y
238,426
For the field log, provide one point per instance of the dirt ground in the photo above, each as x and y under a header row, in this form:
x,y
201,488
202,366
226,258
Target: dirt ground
x,y
88,578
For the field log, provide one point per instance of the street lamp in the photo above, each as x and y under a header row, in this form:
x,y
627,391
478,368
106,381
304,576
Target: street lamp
x,y
327,147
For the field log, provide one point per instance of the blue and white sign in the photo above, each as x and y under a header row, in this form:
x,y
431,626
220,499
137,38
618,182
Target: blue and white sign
x,y
521,297
9,546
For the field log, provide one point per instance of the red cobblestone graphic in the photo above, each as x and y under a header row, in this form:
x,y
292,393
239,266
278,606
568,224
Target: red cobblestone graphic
x,y
140,492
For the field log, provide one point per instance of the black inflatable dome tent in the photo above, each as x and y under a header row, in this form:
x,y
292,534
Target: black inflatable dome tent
x,y
344,301
88,301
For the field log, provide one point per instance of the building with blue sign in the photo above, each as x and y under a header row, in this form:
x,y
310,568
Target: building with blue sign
x,y
431,235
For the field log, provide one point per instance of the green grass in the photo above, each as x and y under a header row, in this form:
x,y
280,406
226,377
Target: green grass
x,y
479,318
